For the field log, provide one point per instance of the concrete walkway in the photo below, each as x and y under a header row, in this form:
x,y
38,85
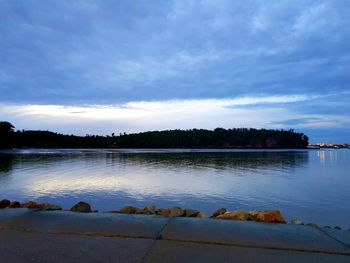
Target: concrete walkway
x,y
38,236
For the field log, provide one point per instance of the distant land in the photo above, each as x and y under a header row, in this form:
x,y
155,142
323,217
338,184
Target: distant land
x,y
193,138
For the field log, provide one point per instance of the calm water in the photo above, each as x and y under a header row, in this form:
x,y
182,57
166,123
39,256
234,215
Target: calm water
x,y
311,185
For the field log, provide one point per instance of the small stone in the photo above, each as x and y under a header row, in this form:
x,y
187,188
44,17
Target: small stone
x,y
5,203
326,227
201,215
240,215
173,212
81,207
149,210
297,222
219,212
49,207
191,213
273,216
31,205
128,210
337,227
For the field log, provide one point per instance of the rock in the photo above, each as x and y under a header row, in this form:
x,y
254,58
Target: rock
x,y
173,212
297,222
31,205
327,227
5,203
128,210
273,216
219,212
240,215
139,211
15,204
201,215
81,207
49,207
337,227
149,210
191,213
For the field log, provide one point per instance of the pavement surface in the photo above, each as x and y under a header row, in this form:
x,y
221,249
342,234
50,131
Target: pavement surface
x,y
63,236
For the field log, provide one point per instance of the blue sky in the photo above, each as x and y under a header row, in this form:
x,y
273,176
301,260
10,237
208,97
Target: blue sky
x,y
113,66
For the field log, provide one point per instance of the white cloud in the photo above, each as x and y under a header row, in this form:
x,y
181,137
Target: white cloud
x,y
172,114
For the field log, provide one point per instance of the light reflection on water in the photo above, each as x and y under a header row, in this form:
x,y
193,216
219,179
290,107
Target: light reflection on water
x,y
311,185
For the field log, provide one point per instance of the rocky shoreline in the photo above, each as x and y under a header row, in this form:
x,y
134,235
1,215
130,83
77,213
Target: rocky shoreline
x,y
269,216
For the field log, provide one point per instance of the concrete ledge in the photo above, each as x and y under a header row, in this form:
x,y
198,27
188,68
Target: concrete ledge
x,y
98,224
9,213
340,235
253,234
63,236
19,247
173,251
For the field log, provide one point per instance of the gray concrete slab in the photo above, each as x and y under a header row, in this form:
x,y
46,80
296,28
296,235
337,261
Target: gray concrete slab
x,y
103,224
8,213
254,234
19,247
173,251
341,235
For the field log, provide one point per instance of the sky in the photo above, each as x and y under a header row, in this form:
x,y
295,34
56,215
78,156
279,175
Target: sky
x,y
97,67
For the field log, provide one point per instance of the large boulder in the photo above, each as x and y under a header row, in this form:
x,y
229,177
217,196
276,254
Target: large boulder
x,y
81,207
31,205
149,210
49,207
191,213
173,212
239,215
5,203
128,210
273,216
219,212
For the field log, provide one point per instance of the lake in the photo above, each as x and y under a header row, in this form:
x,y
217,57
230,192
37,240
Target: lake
x,y
311,185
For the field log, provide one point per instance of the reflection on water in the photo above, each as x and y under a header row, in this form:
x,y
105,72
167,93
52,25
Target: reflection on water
x,y
328,155
200,160
5,163
303,184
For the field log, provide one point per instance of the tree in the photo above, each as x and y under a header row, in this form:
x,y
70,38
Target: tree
x,y
6,134
6,127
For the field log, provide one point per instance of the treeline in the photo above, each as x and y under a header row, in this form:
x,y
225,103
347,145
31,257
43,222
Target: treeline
x,y
218,138
194,138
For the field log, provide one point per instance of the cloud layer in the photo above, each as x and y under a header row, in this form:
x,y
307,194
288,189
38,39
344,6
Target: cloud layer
x,y
175,54
260,112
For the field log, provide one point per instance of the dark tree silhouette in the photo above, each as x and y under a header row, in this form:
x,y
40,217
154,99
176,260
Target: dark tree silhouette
x,y
6,134
194,138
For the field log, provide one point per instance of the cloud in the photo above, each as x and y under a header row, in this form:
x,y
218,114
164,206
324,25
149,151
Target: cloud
x,y
170,50
106,53
259,112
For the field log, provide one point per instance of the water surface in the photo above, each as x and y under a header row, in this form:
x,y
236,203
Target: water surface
x,y
311,185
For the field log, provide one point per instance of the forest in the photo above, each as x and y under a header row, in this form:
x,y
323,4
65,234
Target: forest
x,y
192,138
